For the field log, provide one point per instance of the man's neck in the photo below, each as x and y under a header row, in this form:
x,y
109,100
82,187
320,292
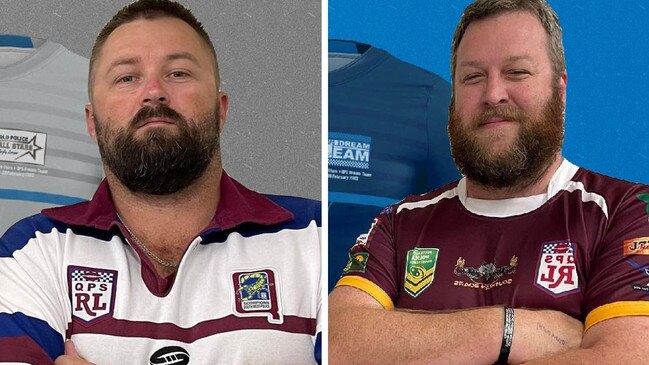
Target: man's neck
x,y
538,186
167,224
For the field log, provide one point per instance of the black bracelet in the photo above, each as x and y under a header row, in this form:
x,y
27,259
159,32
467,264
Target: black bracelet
x,y
508,335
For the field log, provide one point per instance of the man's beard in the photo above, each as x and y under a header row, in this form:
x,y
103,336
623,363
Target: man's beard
x,y
523,163
159,162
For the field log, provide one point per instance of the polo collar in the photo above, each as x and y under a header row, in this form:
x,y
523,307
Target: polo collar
x,y
237,205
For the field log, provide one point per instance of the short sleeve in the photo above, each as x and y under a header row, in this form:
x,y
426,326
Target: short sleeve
x,y
32,321
372,261
618,282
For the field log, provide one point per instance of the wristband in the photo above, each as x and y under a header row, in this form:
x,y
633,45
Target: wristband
x,y
508,335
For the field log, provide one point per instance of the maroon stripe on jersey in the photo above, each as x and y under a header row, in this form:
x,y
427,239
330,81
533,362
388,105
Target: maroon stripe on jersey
x,y
170,331
22,349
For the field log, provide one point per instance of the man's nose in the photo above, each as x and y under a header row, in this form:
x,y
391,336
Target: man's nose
x,y
495,92
155,93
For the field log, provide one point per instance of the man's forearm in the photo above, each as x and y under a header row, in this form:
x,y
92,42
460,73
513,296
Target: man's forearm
x,y
361,331
374,336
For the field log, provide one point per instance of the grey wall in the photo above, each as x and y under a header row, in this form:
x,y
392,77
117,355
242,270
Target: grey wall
x,y
269,54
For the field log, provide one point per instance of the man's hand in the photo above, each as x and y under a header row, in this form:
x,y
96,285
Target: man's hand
x,y
70,357
538,333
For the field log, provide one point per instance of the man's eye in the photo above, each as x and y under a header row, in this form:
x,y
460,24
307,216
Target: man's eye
x,y
179,74
127,78
472,78
518,73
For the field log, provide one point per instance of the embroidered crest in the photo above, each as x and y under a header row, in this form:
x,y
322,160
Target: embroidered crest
x,y
420,270
486,275
256,295
557,272
92,293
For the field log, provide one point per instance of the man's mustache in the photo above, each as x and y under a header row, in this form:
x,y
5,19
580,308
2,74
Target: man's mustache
x,y
161,111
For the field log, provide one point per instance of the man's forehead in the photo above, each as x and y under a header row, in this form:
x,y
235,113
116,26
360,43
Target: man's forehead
x,y
518,31
165,35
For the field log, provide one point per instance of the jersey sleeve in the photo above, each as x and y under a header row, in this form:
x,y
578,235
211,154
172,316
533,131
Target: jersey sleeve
x,y
32,318
372,261
618,282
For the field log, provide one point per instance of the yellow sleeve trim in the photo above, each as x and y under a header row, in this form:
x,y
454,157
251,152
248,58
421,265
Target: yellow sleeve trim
x,y
369,287
616,309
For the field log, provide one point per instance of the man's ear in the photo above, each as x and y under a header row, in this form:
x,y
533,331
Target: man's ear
x,y
90,122
563,84
223,111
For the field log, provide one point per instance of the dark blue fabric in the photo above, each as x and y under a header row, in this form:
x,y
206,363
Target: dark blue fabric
x,y
304,211
387,139
20,233
318,348
19,324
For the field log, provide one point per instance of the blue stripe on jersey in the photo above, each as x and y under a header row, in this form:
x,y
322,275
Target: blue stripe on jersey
x,y
19,324
10,40
20,233
360,199
33,196
317,351
305,211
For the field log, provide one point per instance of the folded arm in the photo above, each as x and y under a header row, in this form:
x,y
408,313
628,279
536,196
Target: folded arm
x,y
620,340
362,331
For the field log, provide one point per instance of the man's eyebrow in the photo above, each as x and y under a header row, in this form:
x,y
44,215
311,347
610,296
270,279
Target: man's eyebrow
x,y
471,64
123,61
126,61
510,59
183,55
519,58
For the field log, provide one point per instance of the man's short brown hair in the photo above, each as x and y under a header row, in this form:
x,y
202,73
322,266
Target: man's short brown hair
x,y
482,9
149,9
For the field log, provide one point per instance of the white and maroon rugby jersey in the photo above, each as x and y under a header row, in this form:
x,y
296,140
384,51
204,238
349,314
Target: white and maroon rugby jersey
x,y
247,290
581,248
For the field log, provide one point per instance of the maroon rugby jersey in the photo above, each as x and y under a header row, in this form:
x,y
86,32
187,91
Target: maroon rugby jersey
x,y
581,248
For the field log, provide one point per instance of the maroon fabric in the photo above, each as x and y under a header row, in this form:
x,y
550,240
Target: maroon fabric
x,y
237,205
170,331
22,349
604,273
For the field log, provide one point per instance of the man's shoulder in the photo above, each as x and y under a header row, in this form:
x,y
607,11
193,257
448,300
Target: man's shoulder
x,y
610,188
428,199
17,236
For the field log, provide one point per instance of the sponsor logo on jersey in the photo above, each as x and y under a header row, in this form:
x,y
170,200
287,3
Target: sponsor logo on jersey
x,y
557,272
349,150
637,246
169,355
255,295
420,269
92,293
357,262
484,276
22,146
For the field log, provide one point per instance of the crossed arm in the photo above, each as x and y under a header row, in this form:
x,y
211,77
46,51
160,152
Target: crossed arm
x,y
362,331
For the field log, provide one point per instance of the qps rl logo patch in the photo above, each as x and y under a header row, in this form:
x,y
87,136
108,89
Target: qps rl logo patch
x,y
420,270
256,295
557,272
92,293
